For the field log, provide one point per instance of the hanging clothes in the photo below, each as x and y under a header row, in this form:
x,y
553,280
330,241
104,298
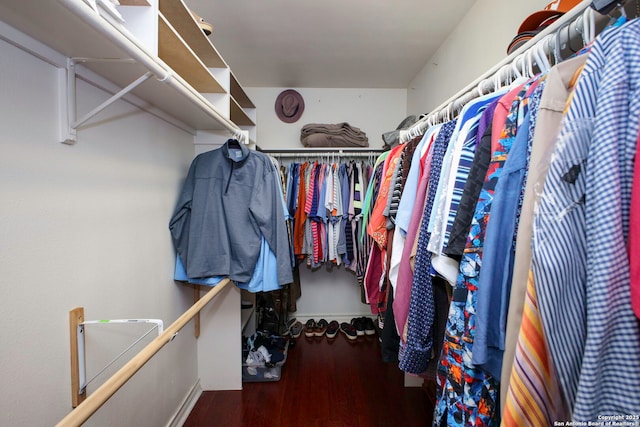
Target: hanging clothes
x,y
230,201
535,202
376,276
324,203
460,381
494,285
404,204
550,403
407,223
415,354
459,161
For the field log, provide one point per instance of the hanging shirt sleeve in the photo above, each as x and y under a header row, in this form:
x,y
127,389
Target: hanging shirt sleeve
x,y
266,208
181,218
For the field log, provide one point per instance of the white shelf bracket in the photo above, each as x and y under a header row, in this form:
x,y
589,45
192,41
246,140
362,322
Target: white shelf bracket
x,y
82,375
69,122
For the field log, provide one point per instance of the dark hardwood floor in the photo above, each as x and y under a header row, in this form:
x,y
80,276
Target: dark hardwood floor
x,y
324,383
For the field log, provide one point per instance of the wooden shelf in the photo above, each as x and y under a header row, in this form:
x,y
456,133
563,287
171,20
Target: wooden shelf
x,y
239,94
185,25
173,50
239,116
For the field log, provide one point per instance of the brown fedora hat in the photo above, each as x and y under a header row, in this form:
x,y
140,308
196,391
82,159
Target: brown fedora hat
x,y
289,106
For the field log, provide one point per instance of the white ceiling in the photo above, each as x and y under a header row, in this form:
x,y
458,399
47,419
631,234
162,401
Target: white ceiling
x,y
329,43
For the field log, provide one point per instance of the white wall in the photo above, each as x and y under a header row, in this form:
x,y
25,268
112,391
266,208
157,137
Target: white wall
x,y
479,41
374,111
330,294
85,225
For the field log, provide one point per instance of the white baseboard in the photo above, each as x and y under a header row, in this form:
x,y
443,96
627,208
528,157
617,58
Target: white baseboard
x,y
181,415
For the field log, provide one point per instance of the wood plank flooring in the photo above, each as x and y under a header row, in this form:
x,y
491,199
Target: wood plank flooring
x,y
324,383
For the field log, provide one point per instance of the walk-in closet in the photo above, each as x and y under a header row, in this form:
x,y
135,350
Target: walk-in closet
x,y
248,213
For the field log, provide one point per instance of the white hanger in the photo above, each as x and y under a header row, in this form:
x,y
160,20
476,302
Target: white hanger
x,y
457,104
497,79
411,130
552,44
511,75
589,25
520,63
450,111
438,116
482,87
530,61
432,121
479,88
514,68
541,56
580,24
237,135
506,75
524,70
415,131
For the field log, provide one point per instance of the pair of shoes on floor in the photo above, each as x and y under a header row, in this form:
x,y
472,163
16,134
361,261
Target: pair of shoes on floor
x,y
309,328
320,328
332,329
348,330
363,326
294,328
315,329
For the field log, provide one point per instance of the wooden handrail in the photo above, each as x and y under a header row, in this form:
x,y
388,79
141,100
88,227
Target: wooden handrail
x,y
92,403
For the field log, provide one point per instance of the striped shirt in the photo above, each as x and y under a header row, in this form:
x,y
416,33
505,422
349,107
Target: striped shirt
x,y
579,255
610,375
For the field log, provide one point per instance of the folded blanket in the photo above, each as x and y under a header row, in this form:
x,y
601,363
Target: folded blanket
x,y
332,135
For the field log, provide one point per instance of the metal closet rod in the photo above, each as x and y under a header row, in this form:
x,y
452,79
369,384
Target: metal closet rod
x,y
529,51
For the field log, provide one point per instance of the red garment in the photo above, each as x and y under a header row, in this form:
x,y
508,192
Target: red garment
x,y
634,237
300,217
423,157
309,195
373,277
500,115
317,227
